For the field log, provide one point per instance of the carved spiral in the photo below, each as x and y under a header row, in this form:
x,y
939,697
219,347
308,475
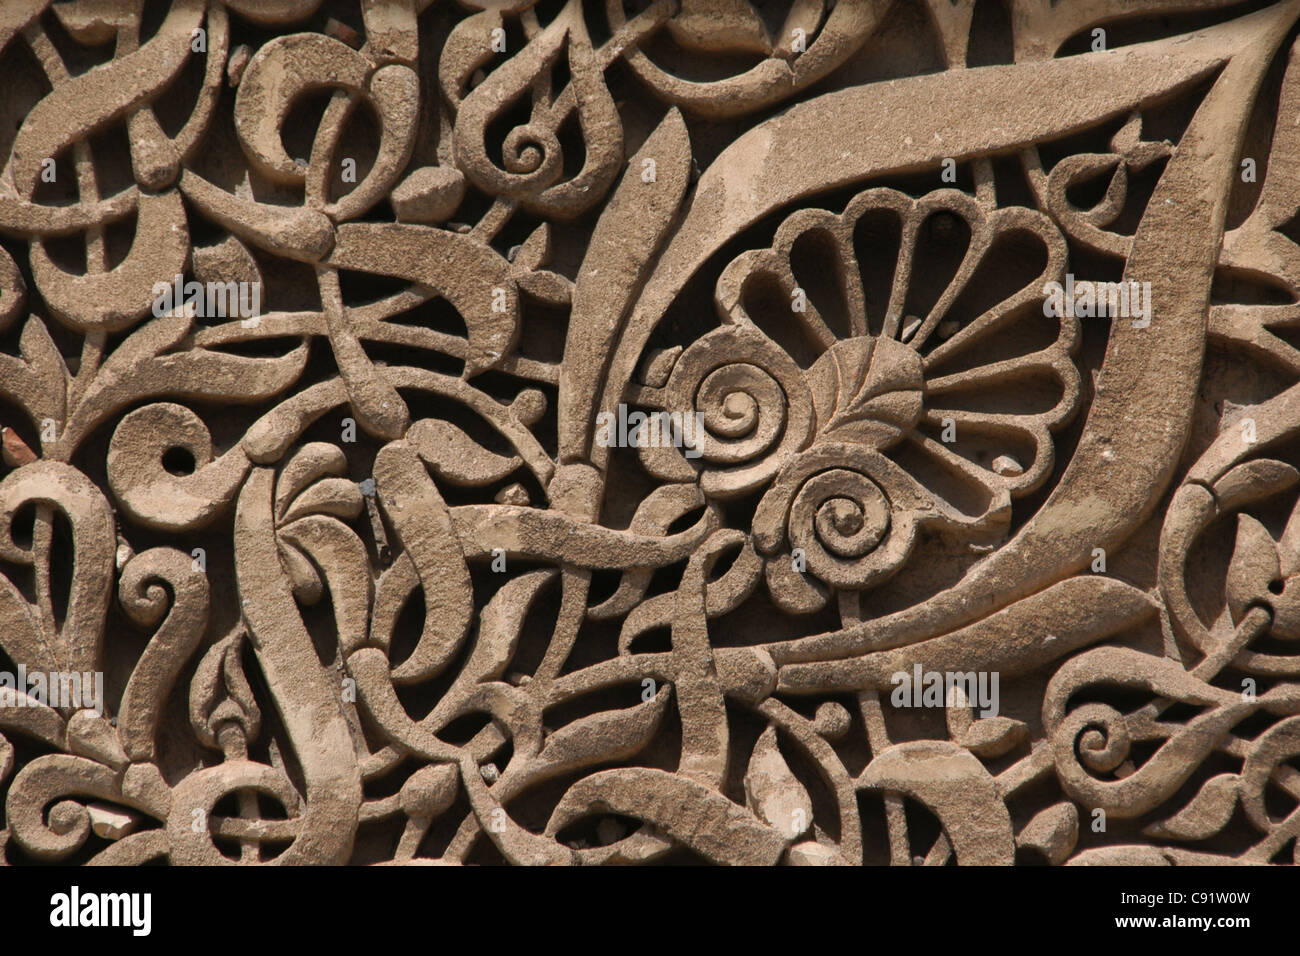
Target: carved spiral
x,y
840,512
151,494
844,509
742,408
840,518
533,151
1100,735
63,783
751,403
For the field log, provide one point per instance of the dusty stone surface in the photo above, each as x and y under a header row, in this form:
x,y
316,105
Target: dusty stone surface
x,y
332,335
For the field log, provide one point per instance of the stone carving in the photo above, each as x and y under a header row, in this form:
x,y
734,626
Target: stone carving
x,y
669,431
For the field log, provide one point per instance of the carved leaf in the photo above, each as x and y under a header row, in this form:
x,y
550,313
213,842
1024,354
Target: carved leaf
x,y
773,792
698,817
610,735
866,390
453,455
220,693
1207,814
1253,567
1052,832
501,625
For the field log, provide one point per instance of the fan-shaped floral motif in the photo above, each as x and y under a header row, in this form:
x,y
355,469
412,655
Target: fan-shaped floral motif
x,y
886,354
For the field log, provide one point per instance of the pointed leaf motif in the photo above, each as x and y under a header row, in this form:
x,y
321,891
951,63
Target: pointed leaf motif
x,y
49,369
334,548
773,792
142,367
608,735
312,485
532,157
38,381
423,524
220,693
316,545
993,736
500,627
627,239
453,455
528,259
1253,567
689,812
338,497
1260,574
866,390
472,276
297,496
75,642
1207,814
1052,832
311,463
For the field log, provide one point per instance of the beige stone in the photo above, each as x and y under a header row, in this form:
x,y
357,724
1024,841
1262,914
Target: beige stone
x,y
712,432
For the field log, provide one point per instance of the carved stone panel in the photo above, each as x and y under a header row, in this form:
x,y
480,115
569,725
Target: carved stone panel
x,y
813,432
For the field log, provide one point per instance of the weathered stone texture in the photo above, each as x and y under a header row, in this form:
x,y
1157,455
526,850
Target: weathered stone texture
x,y
815,432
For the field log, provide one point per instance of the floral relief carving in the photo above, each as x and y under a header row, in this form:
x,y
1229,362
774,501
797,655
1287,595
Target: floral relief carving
x,y
582,432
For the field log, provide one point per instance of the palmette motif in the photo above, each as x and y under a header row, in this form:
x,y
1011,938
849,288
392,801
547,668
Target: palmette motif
x,y
367,578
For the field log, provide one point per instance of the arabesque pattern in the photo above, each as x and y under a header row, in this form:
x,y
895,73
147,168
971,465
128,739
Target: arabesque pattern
x,y
332,333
